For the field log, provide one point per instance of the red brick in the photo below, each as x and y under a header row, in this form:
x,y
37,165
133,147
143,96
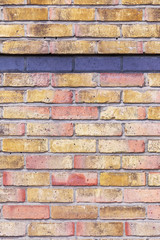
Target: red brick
x,y
26,212
74,112
12,195
121,79
142,195
74,179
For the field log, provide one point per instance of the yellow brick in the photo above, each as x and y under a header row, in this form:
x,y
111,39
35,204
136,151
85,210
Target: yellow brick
x,y
40,95
74,212
95,2
154,79
72,14
12,30
97,162
12,129
123,113
154,145
75,80
30,14
120,47
154,113
11,96
110,129
75,145
154,179
118,14
25,47
122,179
25,145
141,31
152,14
49,195
11,161
49,30
97,30
26,179
73,47
136,2
49,2
14,2
124,212
131,96
11,229
97,96
152,47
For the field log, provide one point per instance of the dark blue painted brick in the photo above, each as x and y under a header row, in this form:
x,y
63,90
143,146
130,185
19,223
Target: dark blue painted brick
x,y
145,63
87,64
11,64
52,64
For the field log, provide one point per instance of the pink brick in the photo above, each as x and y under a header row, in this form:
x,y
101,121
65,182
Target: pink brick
x,y
142,229
142,195
141,162
142,129
74,179
12,195
153,212
121,79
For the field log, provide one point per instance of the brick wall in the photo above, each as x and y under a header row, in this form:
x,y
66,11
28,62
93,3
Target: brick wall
x,y
79,148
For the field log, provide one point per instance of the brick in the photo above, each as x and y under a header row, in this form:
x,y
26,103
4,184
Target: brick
x,y
49,96
99,195
140,31
11,161
25,212
131,96
74,112
21,14
152,47
14,2
154,145
49,64
98,30
118,146
11,96
25,47
12,129
12,195
154,179
49,30
122,179
73,47
12,229
72,14
26,179
49,162
154,113
50,129
49,195
120,47
99,229
135,2
142,229
74,80
122,212
25,145
142,129
72,145
154,79
74,179
26,112
12,30
26,79
10,64
117,14
153,211
51,229
142,195
123,113
97,129
93,64
74,212
141,162
96,162
97,96
95,2
152,14
49,2
121,79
